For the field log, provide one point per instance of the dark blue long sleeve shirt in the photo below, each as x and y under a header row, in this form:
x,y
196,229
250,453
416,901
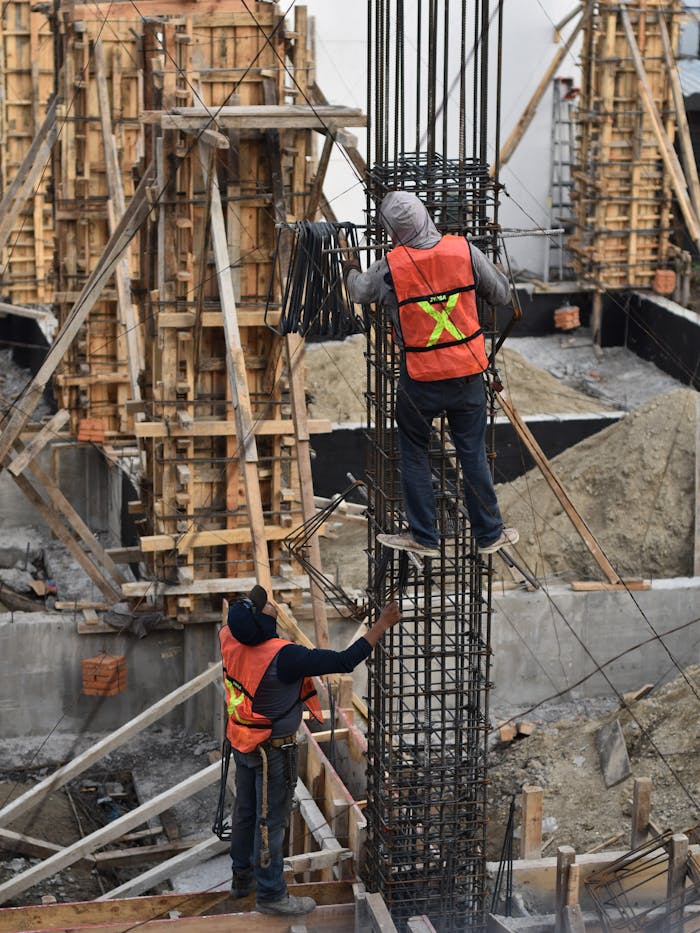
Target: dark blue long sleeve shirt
x,y
296,661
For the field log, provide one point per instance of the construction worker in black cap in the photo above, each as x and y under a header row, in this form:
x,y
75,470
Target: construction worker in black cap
x,y
268,682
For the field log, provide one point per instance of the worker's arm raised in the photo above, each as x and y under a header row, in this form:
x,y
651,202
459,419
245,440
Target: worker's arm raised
x,y
295,661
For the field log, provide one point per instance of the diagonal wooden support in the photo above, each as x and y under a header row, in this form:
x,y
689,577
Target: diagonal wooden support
x,y
27,483
321,169
137,211
116,207
526,118
69,855
666,150
235,359
39,441
33,797
168,869
58,503
555,485
28,174
686,145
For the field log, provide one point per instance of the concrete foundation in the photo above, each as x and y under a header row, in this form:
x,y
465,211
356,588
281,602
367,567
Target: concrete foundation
x,y
536,656
537,653
41,657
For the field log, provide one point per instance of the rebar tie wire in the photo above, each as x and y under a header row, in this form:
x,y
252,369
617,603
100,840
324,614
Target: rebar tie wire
x,y
315,302
297,542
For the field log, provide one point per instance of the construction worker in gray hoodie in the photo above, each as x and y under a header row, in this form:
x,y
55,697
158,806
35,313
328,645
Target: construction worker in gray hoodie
x,y
427,283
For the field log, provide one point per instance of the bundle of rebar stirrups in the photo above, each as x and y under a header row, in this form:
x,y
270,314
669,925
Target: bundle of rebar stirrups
x,y
308,262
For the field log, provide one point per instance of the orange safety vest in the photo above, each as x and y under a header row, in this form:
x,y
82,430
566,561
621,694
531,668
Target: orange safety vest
x,y
439,323
244,668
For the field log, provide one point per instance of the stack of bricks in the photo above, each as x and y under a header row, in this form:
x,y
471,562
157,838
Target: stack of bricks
x,y
104,675
567,318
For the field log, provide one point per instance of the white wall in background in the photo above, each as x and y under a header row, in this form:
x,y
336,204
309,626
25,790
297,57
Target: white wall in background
x,y
528,48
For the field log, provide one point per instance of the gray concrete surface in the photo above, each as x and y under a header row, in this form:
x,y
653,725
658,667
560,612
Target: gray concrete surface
x,y
545,642
546,647
41,657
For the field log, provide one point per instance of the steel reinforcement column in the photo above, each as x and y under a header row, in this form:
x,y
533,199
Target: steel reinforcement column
x,y
429,677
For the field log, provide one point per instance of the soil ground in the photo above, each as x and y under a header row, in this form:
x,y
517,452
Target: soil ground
x,y
627,480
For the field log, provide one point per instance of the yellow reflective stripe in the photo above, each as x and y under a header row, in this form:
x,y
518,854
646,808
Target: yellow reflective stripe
x,y
442,320
235,698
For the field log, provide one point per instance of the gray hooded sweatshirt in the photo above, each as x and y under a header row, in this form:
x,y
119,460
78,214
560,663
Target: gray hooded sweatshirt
x,y
408,223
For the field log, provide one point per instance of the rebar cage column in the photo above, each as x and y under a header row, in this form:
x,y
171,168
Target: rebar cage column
x,y
428,679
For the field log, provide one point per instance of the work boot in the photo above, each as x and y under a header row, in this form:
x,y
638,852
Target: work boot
x,y
243,883
406,542
507,536
289,905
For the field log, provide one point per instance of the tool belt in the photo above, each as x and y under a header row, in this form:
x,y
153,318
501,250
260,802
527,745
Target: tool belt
x,y
281,742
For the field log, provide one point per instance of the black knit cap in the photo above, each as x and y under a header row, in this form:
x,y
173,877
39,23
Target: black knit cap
x,y
258,597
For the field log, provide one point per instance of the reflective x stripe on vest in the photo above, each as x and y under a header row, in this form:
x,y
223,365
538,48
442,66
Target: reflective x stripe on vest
x,y
235,698
442,320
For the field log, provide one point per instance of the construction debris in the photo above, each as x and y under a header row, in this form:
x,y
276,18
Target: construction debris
x,y
562,754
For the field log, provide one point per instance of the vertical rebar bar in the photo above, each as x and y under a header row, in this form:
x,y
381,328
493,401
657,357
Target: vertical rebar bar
x,y
428,679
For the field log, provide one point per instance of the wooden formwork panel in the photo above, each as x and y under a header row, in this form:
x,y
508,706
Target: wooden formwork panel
x,y
622,191
27,79
195,495
93,380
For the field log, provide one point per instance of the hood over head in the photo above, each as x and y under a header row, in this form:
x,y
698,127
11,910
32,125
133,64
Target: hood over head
x,y
247,621
407,221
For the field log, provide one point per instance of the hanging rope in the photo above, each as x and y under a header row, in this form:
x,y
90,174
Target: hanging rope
x,y
314,303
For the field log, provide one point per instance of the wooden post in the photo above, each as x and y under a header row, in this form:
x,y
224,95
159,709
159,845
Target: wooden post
x,y
677,869
531,822
596,317
566,856
666,150
572,918
115,209
641,811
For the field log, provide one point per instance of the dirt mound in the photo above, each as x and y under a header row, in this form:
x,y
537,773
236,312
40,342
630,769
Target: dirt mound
x,y
336,382
661,737
535,392
634,485
336,379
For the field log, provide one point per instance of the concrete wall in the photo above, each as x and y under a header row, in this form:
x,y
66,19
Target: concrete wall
x,y
537,654
41,659
91,485
534,638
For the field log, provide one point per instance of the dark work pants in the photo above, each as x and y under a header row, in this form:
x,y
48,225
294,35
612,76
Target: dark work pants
x,y
464,402
245,832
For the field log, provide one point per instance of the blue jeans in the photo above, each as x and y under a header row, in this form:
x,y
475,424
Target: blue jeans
x,y
245,831
464,402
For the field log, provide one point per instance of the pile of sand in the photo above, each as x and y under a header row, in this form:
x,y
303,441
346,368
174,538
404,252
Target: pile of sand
x,y
337,377
535,392
634,485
